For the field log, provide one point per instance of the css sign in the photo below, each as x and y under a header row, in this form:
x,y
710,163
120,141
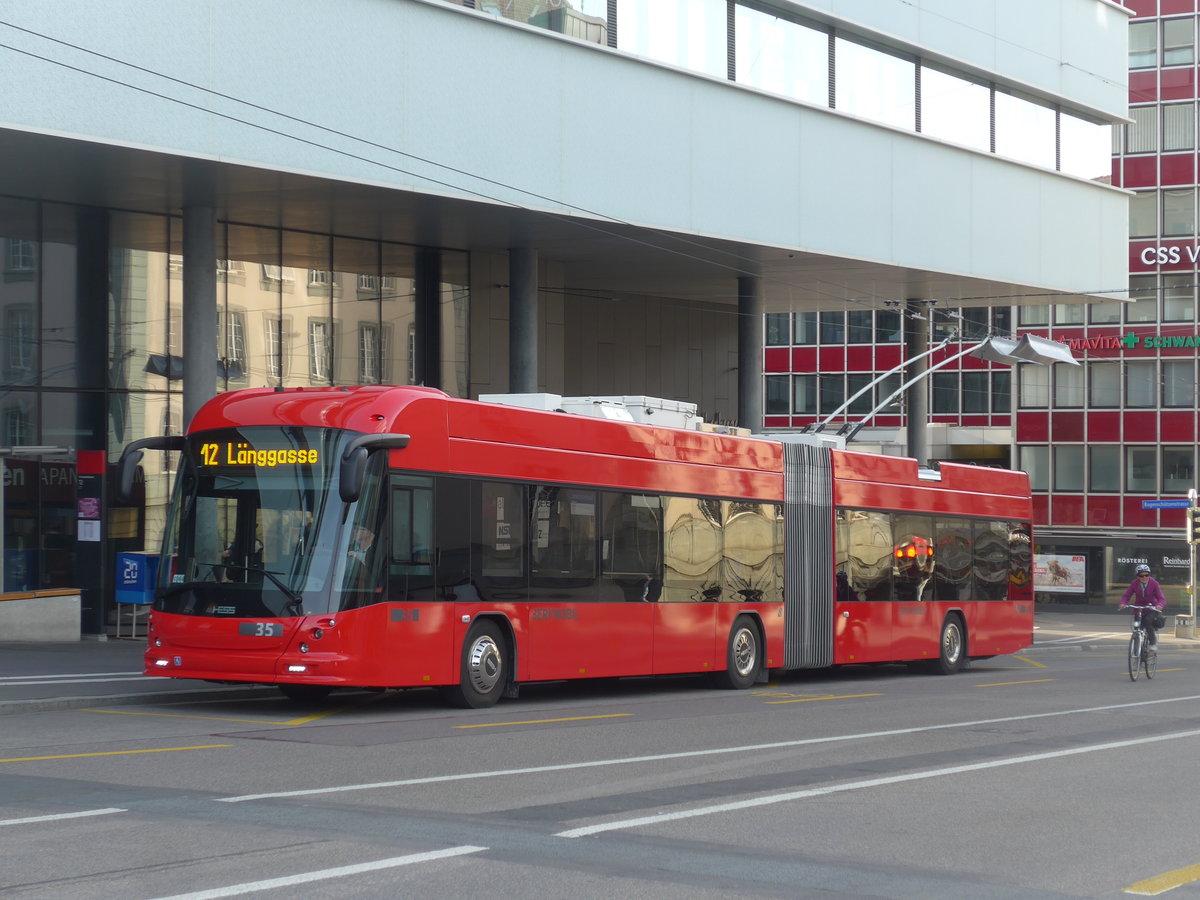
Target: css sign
x,y
1169,256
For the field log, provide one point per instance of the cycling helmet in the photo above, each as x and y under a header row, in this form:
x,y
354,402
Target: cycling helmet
x,y
1143,568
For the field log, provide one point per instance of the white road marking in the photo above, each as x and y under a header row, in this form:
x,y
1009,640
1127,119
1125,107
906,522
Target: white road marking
x,y
116,675
689,754
772,799
60,816
250,887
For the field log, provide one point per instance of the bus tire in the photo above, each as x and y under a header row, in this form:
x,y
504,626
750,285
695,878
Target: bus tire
x,y
743,656
952,646
483,674
304,693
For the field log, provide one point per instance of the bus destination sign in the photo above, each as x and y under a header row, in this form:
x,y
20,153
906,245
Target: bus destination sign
x,y
239,453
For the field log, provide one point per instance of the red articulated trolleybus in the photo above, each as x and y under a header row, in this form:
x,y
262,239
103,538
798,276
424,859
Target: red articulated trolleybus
x,y
393,537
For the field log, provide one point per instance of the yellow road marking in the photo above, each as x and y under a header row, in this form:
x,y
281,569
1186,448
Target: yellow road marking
x,y
301,721
546,721
1171,670
114,753
1031,662
1010,683
1167,881
829,697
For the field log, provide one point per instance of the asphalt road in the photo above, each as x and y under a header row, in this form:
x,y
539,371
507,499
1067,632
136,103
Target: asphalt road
x,y
1047,774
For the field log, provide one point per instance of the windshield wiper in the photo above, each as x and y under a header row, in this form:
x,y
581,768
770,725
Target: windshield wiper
x,y
295,601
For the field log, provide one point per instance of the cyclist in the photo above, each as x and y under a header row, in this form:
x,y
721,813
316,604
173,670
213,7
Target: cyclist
x,y
1146,591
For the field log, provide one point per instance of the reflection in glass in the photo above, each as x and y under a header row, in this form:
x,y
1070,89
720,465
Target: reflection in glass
x,y
1025,130
875,85
953,555
954,109
991,559
781,56
749,552
693,550
691,34
1104,469
912,559
867,539
1141,469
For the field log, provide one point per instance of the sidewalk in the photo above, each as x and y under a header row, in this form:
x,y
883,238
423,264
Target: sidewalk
x,y
75,675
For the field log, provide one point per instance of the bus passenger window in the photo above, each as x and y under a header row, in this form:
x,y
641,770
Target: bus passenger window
x,y
692,550
749,572
869,554
631,547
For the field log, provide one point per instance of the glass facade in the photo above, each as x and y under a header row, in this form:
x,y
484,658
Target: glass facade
x,y
293,309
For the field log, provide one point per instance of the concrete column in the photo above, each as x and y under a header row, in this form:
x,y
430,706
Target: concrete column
x,y
199,307
750,352
916,342
428,317
522,320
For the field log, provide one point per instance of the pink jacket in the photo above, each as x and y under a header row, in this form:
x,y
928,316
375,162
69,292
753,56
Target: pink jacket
x,y
1141,595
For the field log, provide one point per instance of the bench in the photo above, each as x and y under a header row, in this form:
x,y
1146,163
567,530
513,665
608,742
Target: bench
x,y
46,615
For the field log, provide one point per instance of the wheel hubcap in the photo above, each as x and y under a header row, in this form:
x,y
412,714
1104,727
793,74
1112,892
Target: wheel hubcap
x,y
484,665
743,651
952,643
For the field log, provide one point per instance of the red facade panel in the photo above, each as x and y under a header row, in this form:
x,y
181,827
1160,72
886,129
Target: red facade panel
x,y
1041,510
1134,515
1143,87
1141,427
1141,171
832,359
1033,427
1177,84
776,359
804,359
859,359
1067,509
1104,511
1172,7
776,422
1067,426
1104,427
1177,426
1179,168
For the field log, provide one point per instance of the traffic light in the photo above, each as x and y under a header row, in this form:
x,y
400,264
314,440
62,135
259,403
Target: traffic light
x,y
1193,525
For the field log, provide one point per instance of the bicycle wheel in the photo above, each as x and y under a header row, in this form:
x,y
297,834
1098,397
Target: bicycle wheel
x,y
1135,657
1151,661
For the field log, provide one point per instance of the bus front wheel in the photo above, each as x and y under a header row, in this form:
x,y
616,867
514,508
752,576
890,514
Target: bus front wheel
x,y
484,669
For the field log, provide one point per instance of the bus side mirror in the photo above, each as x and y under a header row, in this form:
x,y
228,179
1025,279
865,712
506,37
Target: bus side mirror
x,y
354,460
131,457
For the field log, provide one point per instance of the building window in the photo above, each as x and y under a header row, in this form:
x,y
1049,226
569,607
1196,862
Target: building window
x,y
833,327
887,326
18,425
1002,392
806,328
1085,148
1068,313
1143,214
1035,462
236,363
1179,126
1104,469
1141,475
860,327
19,255
369,355
1179,212
1178,466
1068,468
1143,296
1034,387
779,329
1178,41
275,274
20,342
1179,383
804,395
274,339
1141,135
975,392
956,110
1106,312
1025,130
319,350
833,393
875,85
1034,315
1178,295
1140,389
1068,386
775,401
865,403
783,57
1104,385
945,393
1143,44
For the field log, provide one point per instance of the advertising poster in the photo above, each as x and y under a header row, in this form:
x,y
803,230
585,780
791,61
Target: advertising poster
x,y
1059,574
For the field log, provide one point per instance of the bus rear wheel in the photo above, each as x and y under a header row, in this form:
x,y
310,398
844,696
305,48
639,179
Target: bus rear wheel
x,y
742,656
484,669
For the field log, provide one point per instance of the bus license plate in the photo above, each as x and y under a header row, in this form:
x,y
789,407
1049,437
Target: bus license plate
x,y
261,629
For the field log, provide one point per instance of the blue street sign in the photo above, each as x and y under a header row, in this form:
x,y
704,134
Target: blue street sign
x,y
1166,504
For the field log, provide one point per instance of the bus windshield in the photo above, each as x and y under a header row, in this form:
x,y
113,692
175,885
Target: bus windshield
x,y
253,523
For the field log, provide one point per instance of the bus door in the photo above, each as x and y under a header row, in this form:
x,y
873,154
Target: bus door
x,y
914,629
572,633
863,608
686,614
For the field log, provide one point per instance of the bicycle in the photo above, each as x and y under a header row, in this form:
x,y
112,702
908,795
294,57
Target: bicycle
x,y
1141,654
